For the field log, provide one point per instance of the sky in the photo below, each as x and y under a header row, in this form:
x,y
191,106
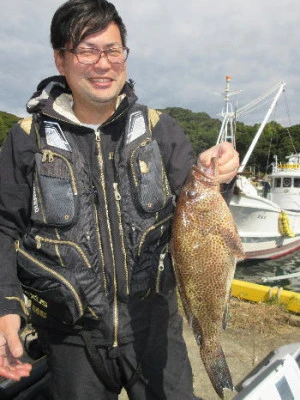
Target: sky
x,y
180,52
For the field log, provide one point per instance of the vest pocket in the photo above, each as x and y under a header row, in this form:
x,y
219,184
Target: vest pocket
x,y
55,190
149,178
65,292
50,293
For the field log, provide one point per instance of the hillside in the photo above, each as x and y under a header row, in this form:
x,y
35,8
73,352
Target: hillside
x,y
203,132
6,122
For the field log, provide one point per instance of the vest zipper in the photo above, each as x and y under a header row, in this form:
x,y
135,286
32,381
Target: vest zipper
x,y
40,240
115,285
57,251
100,251
161,268
48,156
58,276
151,228
121,230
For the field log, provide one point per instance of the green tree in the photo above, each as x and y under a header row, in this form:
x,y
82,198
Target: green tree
x,y
3,131
6,122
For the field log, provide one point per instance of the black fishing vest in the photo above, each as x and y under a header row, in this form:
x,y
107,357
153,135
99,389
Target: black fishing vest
x,y
60,261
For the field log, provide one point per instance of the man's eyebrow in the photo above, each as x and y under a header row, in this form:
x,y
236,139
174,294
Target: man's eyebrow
x,y
107,45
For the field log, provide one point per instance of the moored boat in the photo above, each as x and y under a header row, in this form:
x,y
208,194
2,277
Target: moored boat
x,y
268,219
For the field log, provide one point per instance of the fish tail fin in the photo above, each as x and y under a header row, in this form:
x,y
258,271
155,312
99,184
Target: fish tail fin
x,y
217,369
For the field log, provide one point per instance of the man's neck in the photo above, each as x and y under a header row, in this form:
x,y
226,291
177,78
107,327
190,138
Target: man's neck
x,y
94,115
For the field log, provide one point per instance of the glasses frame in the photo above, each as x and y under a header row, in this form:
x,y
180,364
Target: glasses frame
x,y
101,52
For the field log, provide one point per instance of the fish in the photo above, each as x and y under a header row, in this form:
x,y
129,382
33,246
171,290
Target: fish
x,y
205,247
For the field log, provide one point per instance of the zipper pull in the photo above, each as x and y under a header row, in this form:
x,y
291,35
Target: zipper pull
x,y
161,265
97,134
47,156
38,240
160,268
117,193
98,148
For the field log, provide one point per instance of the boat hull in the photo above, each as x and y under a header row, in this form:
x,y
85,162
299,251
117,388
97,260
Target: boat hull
x,y
257,220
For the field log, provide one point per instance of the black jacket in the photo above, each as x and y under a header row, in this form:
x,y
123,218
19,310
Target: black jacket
x,y
17,165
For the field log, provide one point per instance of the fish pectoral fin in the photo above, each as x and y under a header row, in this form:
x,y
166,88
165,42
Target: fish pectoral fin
x,y
232,239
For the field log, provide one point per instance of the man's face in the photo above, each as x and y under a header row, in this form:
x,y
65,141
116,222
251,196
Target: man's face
x,y
97,85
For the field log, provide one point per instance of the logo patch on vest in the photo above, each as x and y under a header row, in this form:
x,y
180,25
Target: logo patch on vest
x,y
136,126
55,136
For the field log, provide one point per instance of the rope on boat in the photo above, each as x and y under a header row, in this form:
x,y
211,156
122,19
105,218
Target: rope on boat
x,y
275,292
280,277
284,225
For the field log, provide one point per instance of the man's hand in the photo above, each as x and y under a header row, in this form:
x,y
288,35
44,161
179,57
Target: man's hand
x,y
11,349
228,160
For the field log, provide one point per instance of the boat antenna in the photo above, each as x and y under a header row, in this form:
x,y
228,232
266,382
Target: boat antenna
x,y
228,116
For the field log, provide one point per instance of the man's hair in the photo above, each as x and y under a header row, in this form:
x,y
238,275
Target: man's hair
x,y
76,19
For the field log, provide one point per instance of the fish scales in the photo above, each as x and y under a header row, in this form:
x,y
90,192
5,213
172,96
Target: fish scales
x,y
205,246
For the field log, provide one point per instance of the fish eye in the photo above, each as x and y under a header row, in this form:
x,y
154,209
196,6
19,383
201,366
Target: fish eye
x,y
192,194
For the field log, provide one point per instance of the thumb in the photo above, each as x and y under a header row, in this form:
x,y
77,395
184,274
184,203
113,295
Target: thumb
x,y
204,159
9,328
14,344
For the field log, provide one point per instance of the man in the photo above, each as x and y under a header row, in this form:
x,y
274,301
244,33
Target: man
x,y
87,190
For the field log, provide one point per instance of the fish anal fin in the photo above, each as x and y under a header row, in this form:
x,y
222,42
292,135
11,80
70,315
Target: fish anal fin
x,y
226,315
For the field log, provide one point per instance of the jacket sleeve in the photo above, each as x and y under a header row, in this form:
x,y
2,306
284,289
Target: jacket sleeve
x,y
16,177
176,149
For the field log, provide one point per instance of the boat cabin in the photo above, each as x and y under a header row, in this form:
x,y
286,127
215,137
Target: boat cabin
x,y
286,182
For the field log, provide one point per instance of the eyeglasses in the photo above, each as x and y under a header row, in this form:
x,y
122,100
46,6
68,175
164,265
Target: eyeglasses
x,y
91,55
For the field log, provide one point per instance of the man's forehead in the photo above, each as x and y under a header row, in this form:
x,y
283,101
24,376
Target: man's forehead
x,y
110,36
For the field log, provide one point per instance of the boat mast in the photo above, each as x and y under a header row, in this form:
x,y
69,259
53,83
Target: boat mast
x,y
262,125
228,116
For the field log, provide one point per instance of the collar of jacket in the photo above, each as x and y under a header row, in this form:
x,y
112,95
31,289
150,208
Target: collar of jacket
x,y
54,99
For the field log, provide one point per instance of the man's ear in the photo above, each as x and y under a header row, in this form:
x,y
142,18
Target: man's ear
x,y
59,61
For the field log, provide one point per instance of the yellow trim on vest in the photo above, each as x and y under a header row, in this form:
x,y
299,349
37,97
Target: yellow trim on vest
x,y
25,124
153,117
22,302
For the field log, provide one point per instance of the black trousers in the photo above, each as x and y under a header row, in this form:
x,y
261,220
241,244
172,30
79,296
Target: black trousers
x,y
165,371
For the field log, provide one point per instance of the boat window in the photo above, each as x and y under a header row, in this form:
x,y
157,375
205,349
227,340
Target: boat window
x,y
297,182
277,182
287,182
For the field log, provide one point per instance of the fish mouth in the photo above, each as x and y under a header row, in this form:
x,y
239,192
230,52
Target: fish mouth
x,y
207,174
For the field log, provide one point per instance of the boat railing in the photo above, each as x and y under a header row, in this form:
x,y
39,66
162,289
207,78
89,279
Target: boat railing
x,y
288,166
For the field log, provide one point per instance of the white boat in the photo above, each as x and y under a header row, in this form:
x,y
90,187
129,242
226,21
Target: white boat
x,y
268,220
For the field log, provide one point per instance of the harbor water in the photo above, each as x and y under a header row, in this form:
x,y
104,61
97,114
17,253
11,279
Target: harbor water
x,y
255,271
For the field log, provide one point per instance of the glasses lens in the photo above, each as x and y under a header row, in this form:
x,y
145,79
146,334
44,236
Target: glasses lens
x,y
116,55
87,56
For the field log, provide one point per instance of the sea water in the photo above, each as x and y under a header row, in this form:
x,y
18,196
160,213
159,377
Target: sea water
x,y
255,271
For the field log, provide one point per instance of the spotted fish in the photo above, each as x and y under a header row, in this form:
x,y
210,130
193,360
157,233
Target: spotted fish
x,y
205,247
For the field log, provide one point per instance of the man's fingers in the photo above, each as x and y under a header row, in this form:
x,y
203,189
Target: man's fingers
x,y
15,346
17,372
